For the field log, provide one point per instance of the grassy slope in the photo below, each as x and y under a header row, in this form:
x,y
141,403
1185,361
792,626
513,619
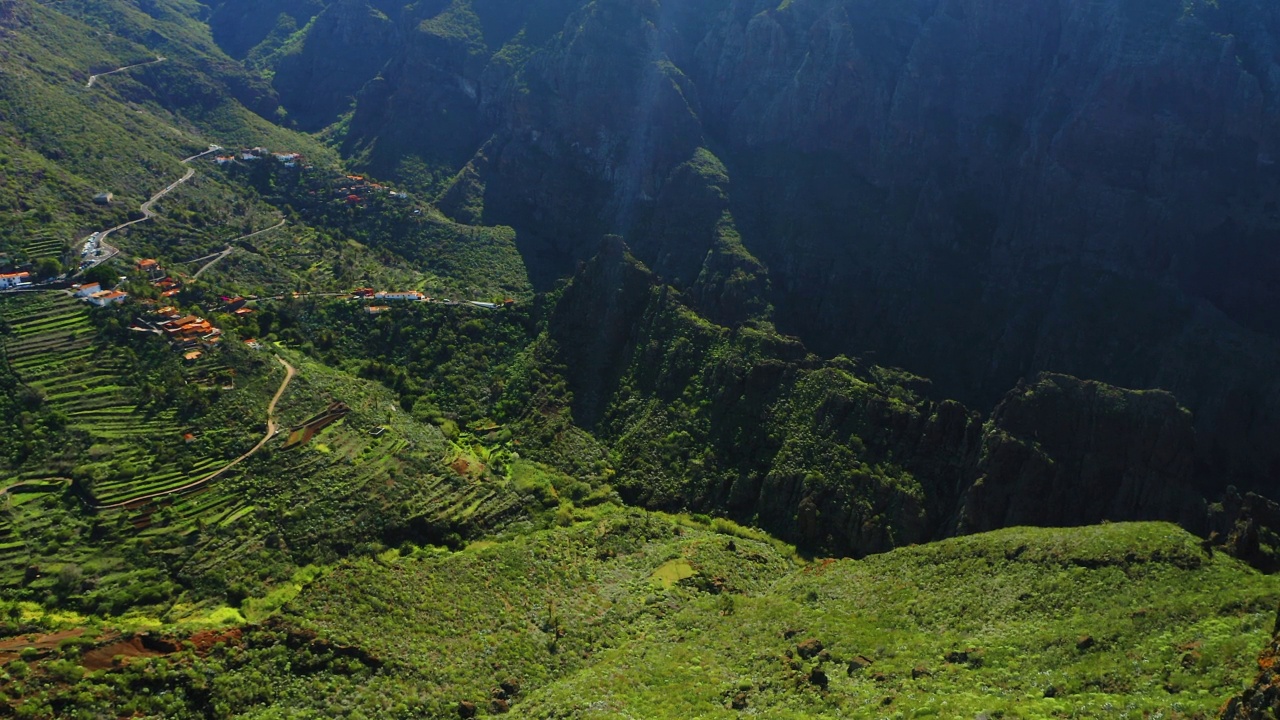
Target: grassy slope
x,y
627,613
1112,621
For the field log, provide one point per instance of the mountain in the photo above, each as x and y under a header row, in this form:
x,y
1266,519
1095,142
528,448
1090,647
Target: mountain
x,y
973,193
662,358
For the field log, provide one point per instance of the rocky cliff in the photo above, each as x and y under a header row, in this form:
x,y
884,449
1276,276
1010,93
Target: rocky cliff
x,y
973,191
847,458
1061,451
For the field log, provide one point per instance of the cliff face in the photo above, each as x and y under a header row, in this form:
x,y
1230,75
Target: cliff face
x,y
850,459
974,191
240,26
342,50
1061,451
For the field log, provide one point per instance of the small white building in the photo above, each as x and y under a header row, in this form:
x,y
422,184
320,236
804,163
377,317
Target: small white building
x,y
87,290
411,295
12,280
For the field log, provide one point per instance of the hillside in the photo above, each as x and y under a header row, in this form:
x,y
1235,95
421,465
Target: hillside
x,y
602,358
632,614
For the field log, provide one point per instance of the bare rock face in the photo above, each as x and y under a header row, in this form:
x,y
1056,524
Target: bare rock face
x,y
1248,527
1061,451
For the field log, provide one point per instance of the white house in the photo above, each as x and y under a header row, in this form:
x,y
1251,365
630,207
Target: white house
x,y
108,297
413,295
9,280
87,290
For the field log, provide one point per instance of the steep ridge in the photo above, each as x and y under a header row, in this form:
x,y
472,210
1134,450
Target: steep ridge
x,y
846,458
972,192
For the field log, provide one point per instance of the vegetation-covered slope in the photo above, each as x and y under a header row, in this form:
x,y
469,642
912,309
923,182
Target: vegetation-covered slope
x,y
629,614
974,194
406,509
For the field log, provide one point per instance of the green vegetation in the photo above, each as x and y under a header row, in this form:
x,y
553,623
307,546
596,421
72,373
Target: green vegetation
x,y
627,613
458,540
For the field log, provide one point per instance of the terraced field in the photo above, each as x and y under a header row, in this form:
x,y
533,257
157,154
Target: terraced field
x,y
44,245
52,350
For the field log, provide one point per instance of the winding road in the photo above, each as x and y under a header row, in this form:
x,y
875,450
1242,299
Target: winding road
x,y
146,209
147,214
289,372
94,78
231,248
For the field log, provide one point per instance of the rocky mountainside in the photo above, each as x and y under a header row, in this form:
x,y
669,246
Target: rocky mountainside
x,y
844,458
974,192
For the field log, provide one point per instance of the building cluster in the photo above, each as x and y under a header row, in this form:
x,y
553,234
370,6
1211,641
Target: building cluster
x,y
415,296
159,277
252,155
190,333
94,294
237,306
356,189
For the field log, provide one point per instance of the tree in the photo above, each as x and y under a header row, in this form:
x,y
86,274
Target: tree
x,y
48,268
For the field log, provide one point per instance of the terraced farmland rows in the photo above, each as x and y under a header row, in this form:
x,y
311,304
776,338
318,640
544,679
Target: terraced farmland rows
x,y
52,349
44,245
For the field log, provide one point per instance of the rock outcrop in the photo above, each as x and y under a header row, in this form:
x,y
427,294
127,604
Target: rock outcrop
x,y
844,458
1060,452
1261,700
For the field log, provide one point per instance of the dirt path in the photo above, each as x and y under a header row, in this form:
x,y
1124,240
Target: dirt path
x,y
217,257
94,78
289,372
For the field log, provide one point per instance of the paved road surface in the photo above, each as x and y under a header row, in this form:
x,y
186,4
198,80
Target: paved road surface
x,y
289,372
93,78
146,209
231,248
147,214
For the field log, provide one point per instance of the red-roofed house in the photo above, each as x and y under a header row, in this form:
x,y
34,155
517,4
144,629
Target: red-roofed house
x,y
108,297
9,280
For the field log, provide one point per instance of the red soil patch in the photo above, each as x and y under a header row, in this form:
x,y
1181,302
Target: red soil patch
x,y
206,639
12,648
117,653
463,466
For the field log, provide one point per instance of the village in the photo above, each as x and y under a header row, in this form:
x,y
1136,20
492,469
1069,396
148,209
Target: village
x,y
351,189
195,336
